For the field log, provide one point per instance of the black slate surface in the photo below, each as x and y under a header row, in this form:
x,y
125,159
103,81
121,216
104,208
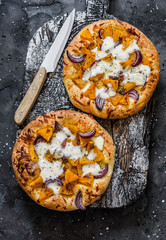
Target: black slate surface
x,y
20,218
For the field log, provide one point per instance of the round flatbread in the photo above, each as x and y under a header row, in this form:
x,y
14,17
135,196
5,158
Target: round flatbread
x,y
110,69
64,160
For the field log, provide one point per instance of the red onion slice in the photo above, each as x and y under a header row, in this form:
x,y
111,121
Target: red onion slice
x,y
133,94
114,77
63,144
78,201
99,102
94,63
145,83
102,173
64,158
138,58
87,134
57,127
38,140
75,59
100,34
118,42
59,182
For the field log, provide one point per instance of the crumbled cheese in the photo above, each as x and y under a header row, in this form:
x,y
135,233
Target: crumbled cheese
x,y
91,168
91,156
86,87
99,142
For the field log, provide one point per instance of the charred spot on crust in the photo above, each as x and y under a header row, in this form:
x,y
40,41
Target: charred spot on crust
x,y
132,31
109,113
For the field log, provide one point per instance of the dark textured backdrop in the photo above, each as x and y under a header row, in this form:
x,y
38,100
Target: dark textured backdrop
x,y
20,217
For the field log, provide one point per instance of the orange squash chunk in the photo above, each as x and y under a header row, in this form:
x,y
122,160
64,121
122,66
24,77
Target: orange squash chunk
x,y
119,33
79,170
128,86
84,161
105,81
107,31
115,84
45,193
96,28
80,83
67,189
90,92
126,43
86,180
74,163
107,58
46,133
99,84
127,63
48,156
116,99
79,74
97,77
86,35
124,100
83,141
73,128
70,176
88,62
32,152
37,183
67,166
90,145
99,155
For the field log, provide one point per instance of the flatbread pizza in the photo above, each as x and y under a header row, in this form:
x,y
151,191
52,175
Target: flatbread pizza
x,y
64,160
110,69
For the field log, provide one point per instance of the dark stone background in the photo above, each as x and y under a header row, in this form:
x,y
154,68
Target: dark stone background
x,y
20,217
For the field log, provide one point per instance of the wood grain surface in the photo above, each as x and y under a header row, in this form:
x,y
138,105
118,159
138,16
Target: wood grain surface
x,y
131,135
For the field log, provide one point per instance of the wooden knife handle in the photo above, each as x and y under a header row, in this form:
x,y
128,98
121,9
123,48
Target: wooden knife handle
x,y
31,96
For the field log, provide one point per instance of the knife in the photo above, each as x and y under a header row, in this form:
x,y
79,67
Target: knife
x,y
48,65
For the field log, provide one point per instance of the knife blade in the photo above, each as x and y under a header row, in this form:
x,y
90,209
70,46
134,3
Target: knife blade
x,y
48,65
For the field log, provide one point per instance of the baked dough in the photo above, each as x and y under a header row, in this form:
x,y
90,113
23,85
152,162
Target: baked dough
x,y
33,162
124,36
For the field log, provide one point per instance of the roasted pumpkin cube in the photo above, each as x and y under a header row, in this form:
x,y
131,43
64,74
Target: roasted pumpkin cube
x,y
119,33
128,86
70,176
99,84
74,163
89,60
86,180
124,100
97,77
116,99
99,155
86,34
32,152
127,42
67,189
84,141
37,183
105,81
79,74
107,58
90,145
115,84
79,170
48,156
107,32
46,133
127,63
85,161
73,128
45,193
91,92
80,83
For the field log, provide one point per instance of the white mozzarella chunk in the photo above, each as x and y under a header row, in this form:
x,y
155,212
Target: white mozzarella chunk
x,y
108,44
99,142
91,156
94,169
86,87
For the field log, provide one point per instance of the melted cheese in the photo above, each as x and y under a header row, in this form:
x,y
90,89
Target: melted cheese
x,y
91,168
91,156
99,142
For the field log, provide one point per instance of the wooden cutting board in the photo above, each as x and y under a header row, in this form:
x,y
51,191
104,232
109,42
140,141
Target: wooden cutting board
x,y
131,135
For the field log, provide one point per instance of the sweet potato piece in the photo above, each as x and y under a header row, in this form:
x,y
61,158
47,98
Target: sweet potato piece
x,y
79,170
90,145
84,161
37,183
46,133
86,180
126,43
96,28
124,100
80,83
119,33
70,176
99,84
107,31
107,58
115,84
97,77
105,81
84,141
86,35
99,155
127,63
32,152
115,100
88,62
72,162
128,86
90,92
67,189
79,74
48,156
45,193
73,128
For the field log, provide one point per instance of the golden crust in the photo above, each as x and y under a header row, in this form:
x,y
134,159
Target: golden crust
x,y
22,163
109,110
